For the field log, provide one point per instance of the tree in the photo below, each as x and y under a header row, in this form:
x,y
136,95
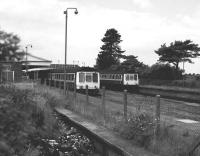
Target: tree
x,y
131,63
179,51
164,72
111,52
9,47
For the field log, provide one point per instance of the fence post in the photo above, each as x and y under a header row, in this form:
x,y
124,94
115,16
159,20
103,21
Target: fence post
x,y
59,86
75,91
125,105
87,97
55,84
157,116
45,82
103,103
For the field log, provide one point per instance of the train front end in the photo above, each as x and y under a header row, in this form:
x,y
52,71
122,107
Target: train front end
x,y
90,79
131,82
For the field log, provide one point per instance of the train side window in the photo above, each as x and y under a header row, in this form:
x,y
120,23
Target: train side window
x,y
106,76
95,77
88,77
67,77
117,76
81,77
135,77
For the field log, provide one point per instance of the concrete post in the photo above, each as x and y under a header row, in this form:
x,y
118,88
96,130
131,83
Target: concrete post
x,y
157,116
125,106
87,97
103,103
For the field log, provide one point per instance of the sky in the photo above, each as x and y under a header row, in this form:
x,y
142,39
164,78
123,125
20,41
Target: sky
x,y
144,25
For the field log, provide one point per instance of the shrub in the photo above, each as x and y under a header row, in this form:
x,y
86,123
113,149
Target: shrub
x,y
138,128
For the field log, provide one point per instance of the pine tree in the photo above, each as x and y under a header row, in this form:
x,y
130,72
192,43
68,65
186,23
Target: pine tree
x,y
111,52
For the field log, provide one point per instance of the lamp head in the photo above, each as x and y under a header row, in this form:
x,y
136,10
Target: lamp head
x,y
76,11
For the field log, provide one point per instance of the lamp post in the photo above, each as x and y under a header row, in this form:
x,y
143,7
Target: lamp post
x,y
28,45
66,13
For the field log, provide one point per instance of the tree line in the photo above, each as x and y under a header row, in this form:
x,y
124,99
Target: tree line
x,y
111,57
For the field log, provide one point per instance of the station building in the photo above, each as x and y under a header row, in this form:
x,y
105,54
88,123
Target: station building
x,y
30,67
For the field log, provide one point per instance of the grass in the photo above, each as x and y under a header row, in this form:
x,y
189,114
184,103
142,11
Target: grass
x,y
191,85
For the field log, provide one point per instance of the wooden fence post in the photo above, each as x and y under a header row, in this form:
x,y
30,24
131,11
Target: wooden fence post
x,y
60,86
55,84
75,91
103,103
45,82
125,105
87,97
157,116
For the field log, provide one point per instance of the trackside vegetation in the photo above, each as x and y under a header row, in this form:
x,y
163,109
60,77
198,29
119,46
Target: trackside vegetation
x,y
29,127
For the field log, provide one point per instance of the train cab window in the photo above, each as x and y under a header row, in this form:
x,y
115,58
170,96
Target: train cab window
x,y
131,77
95,77
81,77
135,77
88,77
127,77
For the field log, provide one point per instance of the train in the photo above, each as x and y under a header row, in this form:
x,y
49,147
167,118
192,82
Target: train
x,y
76,79
117,80
80,77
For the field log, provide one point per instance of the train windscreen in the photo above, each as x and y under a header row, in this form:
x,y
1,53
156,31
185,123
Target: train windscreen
x,y
135,77
88,77
81,77
95,77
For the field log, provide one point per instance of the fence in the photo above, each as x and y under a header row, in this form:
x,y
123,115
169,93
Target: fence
x,y
140,117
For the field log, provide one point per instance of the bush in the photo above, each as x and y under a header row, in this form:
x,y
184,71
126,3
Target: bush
x,y
139,128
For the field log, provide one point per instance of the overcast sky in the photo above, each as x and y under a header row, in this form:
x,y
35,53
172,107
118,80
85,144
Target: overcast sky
x,y
143,24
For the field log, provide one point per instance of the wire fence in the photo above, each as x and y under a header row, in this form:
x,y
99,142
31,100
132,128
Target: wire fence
x,y
172,126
